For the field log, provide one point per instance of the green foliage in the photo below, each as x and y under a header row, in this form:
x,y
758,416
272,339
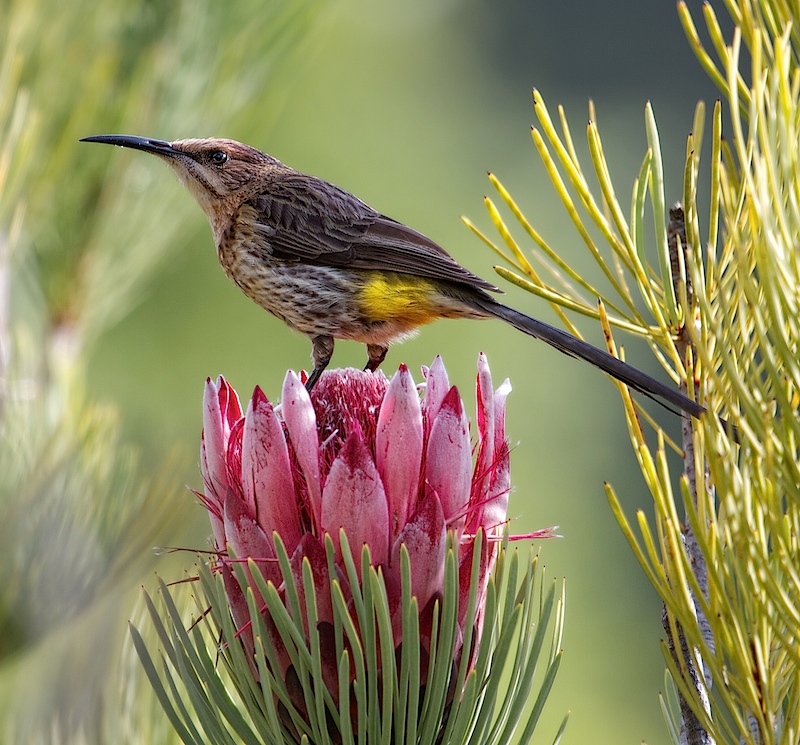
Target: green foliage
x,y
165,70
78,514
211,687
722,318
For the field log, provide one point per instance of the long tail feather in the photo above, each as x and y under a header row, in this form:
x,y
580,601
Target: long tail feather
x,y
574,347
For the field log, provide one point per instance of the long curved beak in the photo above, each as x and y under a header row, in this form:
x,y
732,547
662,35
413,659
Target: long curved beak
x,y
149,145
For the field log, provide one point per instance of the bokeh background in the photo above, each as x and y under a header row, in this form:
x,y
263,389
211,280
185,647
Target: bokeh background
x,y
408,105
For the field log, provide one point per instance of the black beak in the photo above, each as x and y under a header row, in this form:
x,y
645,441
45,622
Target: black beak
x,y
157,147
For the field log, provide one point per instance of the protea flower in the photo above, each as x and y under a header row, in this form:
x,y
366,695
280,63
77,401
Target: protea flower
x,y
361,455
366,593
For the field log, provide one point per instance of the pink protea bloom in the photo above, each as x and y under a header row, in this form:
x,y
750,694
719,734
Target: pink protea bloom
x,y
365,455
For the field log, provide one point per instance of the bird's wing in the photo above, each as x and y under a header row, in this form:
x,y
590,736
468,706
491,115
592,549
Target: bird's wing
x,y
306,219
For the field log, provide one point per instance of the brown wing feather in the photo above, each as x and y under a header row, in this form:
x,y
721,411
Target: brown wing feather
x,y
306,219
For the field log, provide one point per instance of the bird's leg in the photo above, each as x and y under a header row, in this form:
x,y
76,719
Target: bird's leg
x,y
321,353
376,354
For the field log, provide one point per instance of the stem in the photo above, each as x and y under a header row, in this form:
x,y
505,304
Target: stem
x,y
5,336
692,731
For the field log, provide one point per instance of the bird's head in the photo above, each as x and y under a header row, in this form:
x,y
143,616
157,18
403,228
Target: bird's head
x,y
219,173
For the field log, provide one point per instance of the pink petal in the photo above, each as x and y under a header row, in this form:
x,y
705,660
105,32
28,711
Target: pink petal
x,y
234,460
267,481
448,460
244,534
311,549
495,507
301,423
427,616
220,411
485,457
500,396
436,387
210,500
236,600
241,614
424,536
354,499
398,446
465,559
248,541
241,617
484,391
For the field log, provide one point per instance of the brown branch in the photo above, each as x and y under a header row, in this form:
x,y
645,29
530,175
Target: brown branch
x,y
692,731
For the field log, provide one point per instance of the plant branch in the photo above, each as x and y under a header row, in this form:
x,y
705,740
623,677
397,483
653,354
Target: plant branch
x,y
692,730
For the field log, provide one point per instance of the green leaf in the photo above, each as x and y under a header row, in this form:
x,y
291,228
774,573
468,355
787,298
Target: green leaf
x,y
250,703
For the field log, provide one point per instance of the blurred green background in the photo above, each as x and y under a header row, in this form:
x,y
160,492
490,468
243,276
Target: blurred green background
x,y
408,105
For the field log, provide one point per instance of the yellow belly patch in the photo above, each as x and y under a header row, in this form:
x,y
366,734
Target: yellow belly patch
x,y
398,298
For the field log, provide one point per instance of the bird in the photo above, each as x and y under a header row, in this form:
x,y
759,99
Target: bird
x,y
332,267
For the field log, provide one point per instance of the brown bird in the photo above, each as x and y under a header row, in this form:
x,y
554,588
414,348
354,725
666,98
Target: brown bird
x,y
331,267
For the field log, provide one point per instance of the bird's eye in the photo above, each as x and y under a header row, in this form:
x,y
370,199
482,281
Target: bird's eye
x,y
219,157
